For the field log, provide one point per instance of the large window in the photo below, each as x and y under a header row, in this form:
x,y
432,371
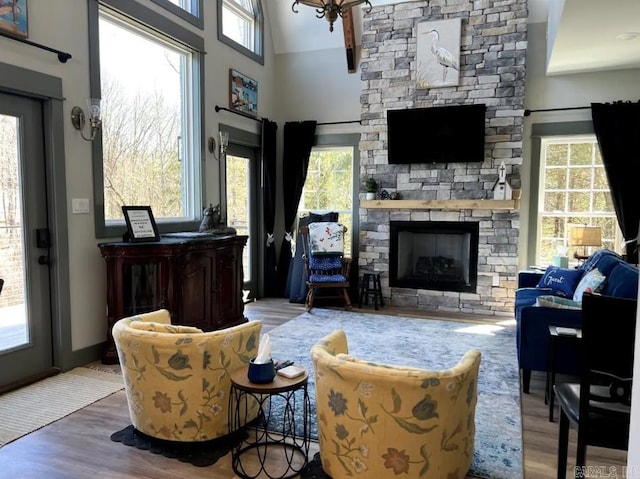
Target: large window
x,y
329,186
151,133
240,25
573,191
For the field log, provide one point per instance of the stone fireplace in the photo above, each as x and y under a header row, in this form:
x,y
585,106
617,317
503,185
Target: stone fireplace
x,y
492,71
441,256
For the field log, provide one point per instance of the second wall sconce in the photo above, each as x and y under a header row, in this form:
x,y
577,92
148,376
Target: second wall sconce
x,y
223,144
79,119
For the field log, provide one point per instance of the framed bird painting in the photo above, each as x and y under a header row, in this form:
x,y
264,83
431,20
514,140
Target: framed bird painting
x,y
438,53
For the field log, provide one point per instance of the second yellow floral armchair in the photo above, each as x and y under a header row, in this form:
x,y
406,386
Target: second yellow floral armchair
x,y
177,377
379,421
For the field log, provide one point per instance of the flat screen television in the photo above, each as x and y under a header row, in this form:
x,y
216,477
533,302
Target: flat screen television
x,y
445,134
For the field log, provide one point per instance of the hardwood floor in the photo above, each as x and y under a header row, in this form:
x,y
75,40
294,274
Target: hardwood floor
x,y
78,446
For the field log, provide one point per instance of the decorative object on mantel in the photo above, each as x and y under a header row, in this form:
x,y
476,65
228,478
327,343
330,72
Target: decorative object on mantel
x,y
330,9
384,195
372,187
13,17
212,222
438,53
501,188
394,195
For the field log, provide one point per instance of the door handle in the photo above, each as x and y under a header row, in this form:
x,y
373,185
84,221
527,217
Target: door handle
x,y
44,259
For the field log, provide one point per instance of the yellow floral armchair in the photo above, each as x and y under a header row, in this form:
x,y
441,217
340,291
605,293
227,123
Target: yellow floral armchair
x,y
379,421
177,377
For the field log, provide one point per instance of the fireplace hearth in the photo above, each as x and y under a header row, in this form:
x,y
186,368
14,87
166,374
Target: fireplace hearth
x,y
435,255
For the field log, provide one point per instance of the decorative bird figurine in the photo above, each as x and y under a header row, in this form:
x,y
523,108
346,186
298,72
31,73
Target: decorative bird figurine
x,y
443,56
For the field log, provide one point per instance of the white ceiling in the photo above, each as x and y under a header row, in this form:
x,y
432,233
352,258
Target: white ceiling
x,y
581,33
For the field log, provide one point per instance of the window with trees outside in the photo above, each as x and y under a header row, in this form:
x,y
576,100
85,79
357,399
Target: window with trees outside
x,y
240,25
329,187
574,191
150,108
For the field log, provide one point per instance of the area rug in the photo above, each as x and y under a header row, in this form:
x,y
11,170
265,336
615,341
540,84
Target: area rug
x,y
32,407
429,344
201,454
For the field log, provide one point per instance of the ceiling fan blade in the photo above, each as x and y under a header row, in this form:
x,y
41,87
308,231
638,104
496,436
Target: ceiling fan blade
x,y
349,40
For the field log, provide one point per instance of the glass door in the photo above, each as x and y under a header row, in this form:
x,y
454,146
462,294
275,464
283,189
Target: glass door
x,y
241,187
25,306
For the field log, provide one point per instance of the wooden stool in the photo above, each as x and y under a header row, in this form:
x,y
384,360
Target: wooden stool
x,y
370,285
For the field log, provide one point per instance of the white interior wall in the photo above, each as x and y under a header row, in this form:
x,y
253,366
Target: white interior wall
x,y
63,25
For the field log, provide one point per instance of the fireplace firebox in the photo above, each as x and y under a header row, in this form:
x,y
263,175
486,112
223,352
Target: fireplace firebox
x,y
436,255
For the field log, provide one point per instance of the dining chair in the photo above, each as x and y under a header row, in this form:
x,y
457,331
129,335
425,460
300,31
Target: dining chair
x,y
599,407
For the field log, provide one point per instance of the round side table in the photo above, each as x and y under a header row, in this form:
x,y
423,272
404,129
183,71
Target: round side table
x,y
288,452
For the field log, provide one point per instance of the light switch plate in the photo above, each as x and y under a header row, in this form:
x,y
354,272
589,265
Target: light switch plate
x,y
80,206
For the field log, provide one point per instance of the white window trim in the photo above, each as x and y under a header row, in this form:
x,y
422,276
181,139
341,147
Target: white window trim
x,y
257,17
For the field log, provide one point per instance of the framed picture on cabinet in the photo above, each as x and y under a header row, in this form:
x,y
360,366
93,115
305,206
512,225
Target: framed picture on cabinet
x,y
141,226
13,18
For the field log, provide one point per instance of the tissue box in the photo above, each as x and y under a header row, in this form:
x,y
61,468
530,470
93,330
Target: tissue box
x,y
261,373
560,261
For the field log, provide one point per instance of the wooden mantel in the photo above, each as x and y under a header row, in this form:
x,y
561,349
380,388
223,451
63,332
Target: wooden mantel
x,y
441,204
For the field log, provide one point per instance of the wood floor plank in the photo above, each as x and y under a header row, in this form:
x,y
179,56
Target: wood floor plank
x,y
78,446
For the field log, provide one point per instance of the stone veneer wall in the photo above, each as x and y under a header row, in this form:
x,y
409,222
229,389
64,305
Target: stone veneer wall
x,y
492,71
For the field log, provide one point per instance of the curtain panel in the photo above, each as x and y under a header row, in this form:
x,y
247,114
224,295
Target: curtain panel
x,y
269,129
298,141
617,128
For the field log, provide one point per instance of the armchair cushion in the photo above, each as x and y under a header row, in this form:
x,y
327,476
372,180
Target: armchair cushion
x,y
622,282
177,378
376,420
325,262
562,281
327,278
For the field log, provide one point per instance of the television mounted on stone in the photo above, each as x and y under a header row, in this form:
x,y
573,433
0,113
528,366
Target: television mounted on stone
x,y
442,134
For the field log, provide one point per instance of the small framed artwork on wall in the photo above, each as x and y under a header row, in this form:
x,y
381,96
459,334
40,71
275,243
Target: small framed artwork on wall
x,y
13,18
243,93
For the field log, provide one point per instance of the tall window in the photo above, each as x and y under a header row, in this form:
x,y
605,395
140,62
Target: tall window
x,y
150,101
240,25
329,186
574,190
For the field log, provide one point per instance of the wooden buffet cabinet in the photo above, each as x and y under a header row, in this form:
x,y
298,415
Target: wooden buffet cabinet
x,y
198,279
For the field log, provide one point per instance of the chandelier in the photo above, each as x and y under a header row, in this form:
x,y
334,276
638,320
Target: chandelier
x,y
330,9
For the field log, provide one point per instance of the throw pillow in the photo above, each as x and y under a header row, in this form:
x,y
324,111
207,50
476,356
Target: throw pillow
x,y
562,281
590,282
557,302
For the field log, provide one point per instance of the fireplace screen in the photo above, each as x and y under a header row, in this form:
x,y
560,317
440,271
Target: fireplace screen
x,y
434,255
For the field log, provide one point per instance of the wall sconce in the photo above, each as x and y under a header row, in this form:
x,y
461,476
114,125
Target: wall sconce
x,y
78,118
223,144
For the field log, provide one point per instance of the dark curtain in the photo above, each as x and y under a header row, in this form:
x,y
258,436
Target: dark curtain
x,y
269,201
298,141
617,128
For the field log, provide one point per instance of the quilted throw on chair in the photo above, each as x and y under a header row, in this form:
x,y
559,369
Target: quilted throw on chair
x,y
326,238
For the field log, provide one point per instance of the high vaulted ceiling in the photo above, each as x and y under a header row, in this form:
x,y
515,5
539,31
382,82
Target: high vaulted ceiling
x,y
583,35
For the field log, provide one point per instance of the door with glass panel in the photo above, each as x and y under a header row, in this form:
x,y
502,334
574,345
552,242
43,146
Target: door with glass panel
x,y
241,193
25,306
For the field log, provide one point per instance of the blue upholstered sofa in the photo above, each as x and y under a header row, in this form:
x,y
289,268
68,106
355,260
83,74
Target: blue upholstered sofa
x,y
533,321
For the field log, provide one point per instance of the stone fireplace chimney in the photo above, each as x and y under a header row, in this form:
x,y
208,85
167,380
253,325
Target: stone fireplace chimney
x,y
492,71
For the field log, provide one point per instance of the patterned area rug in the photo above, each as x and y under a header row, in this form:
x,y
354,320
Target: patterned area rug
x,y
428,344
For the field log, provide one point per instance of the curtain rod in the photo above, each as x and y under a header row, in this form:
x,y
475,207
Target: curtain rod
x,y
241,113
338,122
528,112
62,56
